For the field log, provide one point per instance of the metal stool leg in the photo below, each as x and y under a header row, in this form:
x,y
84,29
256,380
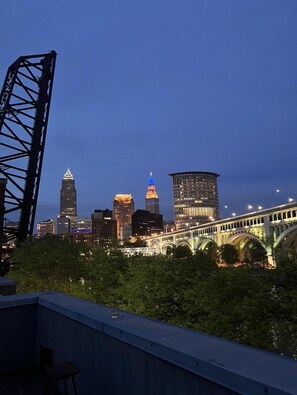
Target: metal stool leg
x,y
65,387
74,385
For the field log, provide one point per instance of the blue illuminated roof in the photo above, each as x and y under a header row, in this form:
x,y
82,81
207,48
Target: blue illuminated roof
x,y
151,180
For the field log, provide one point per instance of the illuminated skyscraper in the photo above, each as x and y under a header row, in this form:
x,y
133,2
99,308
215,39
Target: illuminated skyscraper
x,y
195,198
151,197
68,195
123,208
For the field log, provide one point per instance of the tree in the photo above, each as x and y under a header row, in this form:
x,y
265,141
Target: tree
x,y
229,253
212,252
238,305
150,287
105,275
180,251
183,251
50,263
285,293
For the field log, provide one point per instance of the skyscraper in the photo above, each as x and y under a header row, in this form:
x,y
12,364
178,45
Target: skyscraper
x,y
123,208
68,195
195,198
145,223
104,227
151,197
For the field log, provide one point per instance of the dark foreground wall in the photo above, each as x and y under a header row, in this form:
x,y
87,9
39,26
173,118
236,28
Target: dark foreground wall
x,y
134,355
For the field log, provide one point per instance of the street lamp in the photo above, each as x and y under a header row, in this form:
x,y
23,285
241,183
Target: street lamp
x,y
290,200
260,207
250,206
233,214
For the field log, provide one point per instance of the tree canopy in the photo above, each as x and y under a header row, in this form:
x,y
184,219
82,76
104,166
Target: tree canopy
x,y
257,307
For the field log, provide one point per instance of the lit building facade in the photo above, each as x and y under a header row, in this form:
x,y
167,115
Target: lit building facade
x,y
80,225
68,195
123,208
151,197
195,198
45,228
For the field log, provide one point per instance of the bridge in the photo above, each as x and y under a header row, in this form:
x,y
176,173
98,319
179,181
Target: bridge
x,y
267,229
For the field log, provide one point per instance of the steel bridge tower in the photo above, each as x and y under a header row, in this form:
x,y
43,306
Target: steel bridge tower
x,y
24,110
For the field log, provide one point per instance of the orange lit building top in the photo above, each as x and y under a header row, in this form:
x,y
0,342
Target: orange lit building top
x,y
123,208
123,198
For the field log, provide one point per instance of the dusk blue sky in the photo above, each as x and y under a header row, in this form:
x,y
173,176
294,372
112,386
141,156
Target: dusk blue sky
x,y
163,86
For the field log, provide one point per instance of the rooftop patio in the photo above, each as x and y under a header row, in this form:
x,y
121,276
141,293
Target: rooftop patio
x,y
129,354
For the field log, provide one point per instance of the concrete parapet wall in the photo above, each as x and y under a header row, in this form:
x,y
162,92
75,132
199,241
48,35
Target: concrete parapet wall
x,y
135,355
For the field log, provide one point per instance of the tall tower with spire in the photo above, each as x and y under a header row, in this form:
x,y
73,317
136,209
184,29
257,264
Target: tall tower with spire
x,y
68,195
151,197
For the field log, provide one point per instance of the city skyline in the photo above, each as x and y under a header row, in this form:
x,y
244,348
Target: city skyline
x,y
164,87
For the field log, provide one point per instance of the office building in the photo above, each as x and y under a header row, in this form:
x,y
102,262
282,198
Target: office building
x,y
80,225
63,225
45,228
151,197
104,227
68,195
145,223
195,198
123,208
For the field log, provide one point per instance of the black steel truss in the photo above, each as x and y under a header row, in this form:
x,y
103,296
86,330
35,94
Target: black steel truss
x,y
24,110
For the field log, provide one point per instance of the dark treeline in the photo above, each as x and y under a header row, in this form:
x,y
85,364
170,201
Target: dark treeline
x,y
254,306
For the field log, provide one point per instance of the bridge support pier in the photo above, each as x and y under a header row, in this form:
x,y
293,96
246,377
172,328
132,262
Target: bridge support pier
x,y
271,261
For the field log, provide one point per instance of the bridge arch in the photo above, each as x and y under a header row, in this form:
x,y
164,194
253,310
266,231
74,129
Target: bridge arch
x,y
167,245
287,237
203,242
251,248
243,238
156,245
183,243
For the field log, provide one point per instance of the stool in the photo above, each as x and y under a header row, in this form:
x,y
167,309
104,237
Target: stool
x,y
62,371
56,372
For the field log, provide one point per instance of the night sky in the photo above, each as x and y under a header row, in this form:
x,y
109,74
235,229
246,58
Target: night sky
x,y
163,86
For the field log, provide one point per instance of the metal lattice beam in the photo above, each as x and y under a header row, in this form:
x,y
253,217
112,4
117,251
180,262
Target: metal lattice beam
x,y
24,110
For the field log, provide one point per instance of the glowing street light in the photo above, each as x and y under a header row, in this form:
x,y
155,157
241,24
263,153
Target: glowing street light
x,y
290,200
250,206
260,207
233,214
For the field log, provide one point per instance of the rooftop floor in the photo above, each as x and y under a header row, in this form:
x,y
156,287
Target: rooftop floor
x,y
22,382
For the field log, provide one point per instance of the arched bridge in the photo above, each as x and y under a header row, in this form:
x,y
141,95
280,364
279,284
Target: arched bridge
x,y
268,229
